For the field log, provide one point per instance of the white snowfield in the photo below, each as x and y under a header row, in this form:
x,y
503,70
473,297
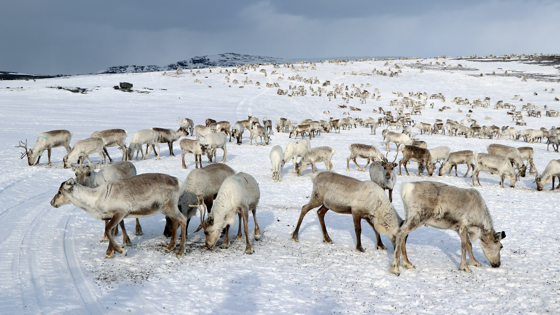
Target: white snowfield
x,y
52,260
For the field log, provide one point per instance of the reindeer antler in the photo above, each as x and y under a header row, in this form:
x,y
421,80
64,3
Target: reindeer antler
x,y
200,201
24,146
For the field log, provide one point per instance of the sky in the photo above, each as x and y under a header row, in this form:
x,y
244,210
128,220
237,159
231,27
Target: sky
x,y
77,37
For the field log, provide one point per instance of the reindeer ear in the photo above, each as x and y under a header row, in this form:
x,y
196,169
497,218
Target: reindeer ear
x,y
209,221
499,236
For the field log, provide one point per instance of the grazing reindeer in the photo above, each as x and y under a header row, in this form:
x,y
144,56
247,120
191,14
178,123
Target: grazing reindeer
x,y
82,148
493,164
451,208
455,158
420,155
86,176
194,147
362,199
199,191
510,153
135,197
551,171
112,137
238,194
46,141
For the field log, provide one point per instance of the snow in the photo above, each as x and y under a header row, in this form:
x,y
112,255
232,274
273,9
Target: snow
x,y
52,260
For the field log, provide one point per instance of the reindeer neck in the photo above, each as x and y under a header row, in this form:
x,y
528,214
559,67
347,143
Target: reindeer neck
x,y
84,198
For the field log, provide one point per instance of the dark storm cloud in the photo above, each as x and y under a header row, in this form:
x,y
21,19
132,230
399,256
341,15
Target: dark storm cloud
x,y
69,37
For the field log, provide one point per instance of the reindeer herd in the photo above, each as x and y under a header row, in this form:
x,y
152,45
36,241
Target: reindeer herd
x,y
219,194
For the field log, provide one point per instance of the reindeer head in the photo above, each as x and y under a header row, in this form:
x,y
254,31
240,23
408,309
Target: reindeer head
x,y
83,173
28,153
491,246
60,198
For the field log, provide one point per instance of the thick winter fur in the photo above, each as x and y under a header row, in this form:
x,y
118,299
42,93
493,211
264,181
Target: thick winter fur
x,y
237,132
47,141
135,197
314,155
383,174
551,171
510,153
420,155
139,138
86,176
112,137
526,154
194,147
456,158
364,151
213,142
83,148
187,124
447,207
301,130
296,149
346,195
397,138
260,132
277,162
169,136
203,183
202,131
238,194
494,164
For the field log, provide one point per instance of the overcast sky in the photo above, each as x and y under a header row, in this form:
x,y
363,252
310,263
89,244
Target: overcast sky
x,y
71,37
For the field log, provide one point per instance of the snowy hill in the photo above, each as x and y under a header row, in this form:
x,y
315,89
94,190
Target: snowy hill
x,y
52,260
221,60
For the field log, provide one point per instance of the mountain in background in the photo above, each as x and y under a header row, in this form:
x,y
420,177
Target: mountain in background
x,y
221,60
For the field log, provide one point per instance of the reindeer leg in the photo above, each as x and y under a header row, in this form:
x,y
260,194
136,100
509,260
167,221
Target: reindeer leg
x,y
390,195
354,159
173,238
321,214
168,227
49,156
313,203
248,249
239,235
183,160
107,153
170,144
113,246
257,229
368,161
463,233
358,230
472,260
138,228
125,238
380,245
226,243
406,170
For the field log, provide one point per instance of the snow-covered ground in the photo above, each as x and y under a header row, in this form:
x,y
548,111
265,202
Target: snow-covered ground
x,y
52,260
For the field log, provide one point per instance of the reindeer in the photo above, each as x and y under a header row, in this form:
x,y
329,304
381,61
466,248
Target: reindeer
x,y
168,136
364,151
455,158
82,148
135,197
420,155
238,194
194,147
551,171
112,137
46,141
86,176
397,138
493,164
448,207
383,174
362,199
510,153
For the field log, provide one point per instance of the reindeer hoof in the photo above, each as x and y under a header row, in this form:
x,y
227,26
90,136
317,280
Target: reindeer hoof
x,y
328,241
465,269
224,246
475,263
249,251
408,266
360,250
257,237
382,247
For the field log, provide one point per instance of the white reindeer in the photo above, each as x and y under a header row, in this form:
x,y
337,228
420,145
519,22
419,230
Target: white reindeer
x,y
213,142
551,171
455,158
448,207
141,137
493,164
296,149
277,161
82,148
198,192
362,199
46,141
318,154
238,194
